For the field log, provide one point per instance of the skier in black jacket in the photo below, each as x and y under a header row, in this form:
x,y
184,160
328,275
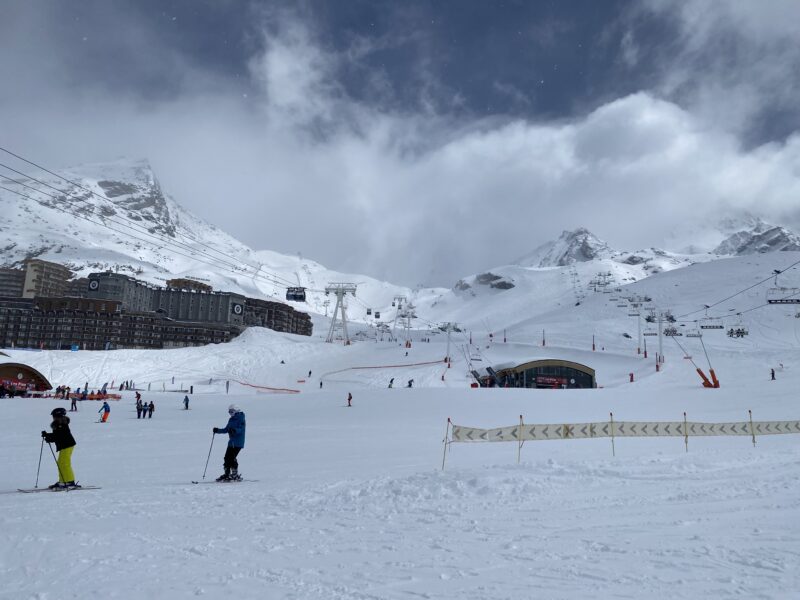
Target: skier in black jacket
x,y
65,444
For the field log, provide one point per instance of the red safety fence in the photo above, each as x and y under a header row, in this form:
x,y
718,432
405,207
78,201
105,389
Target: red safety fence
x,y
267,388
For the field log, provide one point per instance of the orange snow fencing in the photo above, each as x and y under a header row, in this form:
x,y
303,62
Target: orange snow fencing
x,y
267,389
421,364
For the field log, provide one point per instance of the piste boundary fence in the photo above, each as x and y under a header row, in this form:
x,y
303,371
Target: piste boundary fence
x,y
527,432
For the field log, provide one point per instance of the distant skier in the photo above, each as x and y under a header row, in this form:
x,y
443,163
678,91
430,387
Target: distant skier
x,y
320,384
139,408
105,409
309,373
391,383
235,430
73,407
186,403
150,408
772,374
349,399
65,444
410,383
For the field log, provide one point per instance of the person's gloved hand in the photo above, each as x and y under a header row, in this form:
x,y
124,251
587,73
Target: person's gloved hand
x,y
44,434
216,430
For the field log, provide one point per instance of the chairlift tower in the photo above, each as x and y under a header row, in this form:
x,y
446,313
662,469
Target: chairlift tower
x,y
398,302
339,290
407,314
449,328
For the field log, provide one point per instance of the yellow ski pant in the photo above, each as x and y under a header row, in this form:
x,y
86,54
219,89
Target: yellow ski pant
x,y
65,473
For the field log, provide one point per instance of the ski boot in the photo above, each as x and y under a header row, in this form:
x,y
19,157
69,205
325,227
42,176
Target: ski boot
x,y
58,485
224,477
235,475
72,485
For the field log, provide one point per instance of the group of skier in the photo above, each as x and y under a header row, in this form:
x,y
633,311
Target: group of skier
x,y
65,443
143,409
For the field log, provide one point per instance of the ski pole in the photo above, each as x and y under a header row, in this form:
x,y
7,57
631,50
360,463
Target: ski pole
x,y
209,455
58,466
41,449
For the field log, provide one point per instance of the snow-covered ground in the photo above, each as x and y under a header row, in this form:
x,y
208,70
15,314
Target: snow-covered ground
x,y
352,502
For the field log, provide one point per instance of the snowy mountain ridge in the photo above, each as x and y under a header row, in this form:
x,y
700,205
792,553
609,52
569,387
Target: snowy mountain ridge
x,y
155,239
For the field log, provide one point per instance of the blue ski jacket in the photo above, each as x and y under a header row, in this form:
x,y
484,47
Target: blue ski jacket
x,y
235,430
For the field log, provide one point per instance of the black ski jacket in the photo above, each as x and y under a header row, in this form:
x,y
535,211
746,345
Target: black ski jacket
x,y
61,436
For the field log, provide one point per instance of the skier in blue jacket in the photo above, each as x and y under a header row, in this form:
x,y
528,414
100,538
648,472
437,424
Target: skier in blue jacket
x,y
235,430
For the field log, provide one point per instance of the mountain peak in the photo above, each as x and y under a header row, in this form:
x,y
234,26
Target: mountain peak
x,y
579,245
760,239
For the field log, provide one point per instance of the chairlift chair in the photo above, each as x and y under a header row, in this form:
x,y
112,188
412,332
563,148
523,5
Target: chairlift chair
x,y
377,314
710,323
781,295
369,311
738,330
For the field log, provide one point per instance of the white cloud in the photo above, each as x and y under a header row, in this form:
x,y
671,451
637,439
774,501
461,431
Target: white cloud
x,y
735,63
299,166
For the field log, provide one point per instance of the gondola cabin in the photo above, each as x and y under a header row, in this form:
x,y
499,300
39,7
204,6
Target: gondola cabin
x,y
296,294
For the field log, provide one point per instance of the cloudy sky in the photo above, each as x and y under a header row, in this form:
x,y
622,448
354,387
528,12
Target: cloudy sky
x,y
419,141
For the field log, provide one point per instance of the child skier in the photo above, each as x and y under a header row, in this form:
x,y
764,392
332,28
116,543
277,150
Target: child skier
x,y
235,430
65,444
105,409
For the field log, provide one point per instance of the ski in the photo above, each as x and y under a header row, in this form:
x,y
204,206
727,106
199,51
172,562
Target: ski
x,y
214,481
74,489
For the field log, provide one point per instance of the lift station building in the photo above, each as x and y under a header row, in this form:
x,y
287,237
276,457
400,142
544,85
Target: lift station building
x,y
547,373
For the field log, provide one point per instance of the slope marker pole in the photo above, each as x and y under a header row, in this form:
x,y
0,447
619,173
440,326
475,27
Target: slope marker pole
x,y
519,442
446,436
752,429
685,432
613,449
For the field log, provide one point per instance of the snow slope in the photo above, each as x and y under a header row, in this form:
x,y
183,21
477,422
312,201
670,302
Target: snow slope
x,y
352,502
116,216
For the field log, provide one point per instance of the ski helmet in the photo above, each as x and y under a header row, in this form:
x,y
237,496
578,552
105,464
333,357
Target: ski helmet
x,y
234,408
59,412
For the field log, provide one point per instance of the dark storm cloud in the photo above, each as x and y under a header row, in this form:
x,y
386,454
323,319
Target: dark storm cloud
x,y
414,142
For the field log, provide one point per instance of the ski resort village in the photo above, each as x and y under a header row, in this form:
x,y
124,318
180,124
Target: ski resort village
x,y
481,302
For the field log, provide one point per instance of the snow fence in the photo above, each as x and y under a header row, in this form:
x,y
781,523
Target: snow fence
x,y
524,432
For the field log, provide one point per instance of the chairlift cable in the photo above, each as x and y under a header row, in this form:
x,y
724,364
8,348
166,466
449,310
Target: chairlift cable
x,y
277,278
219,264
742,291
